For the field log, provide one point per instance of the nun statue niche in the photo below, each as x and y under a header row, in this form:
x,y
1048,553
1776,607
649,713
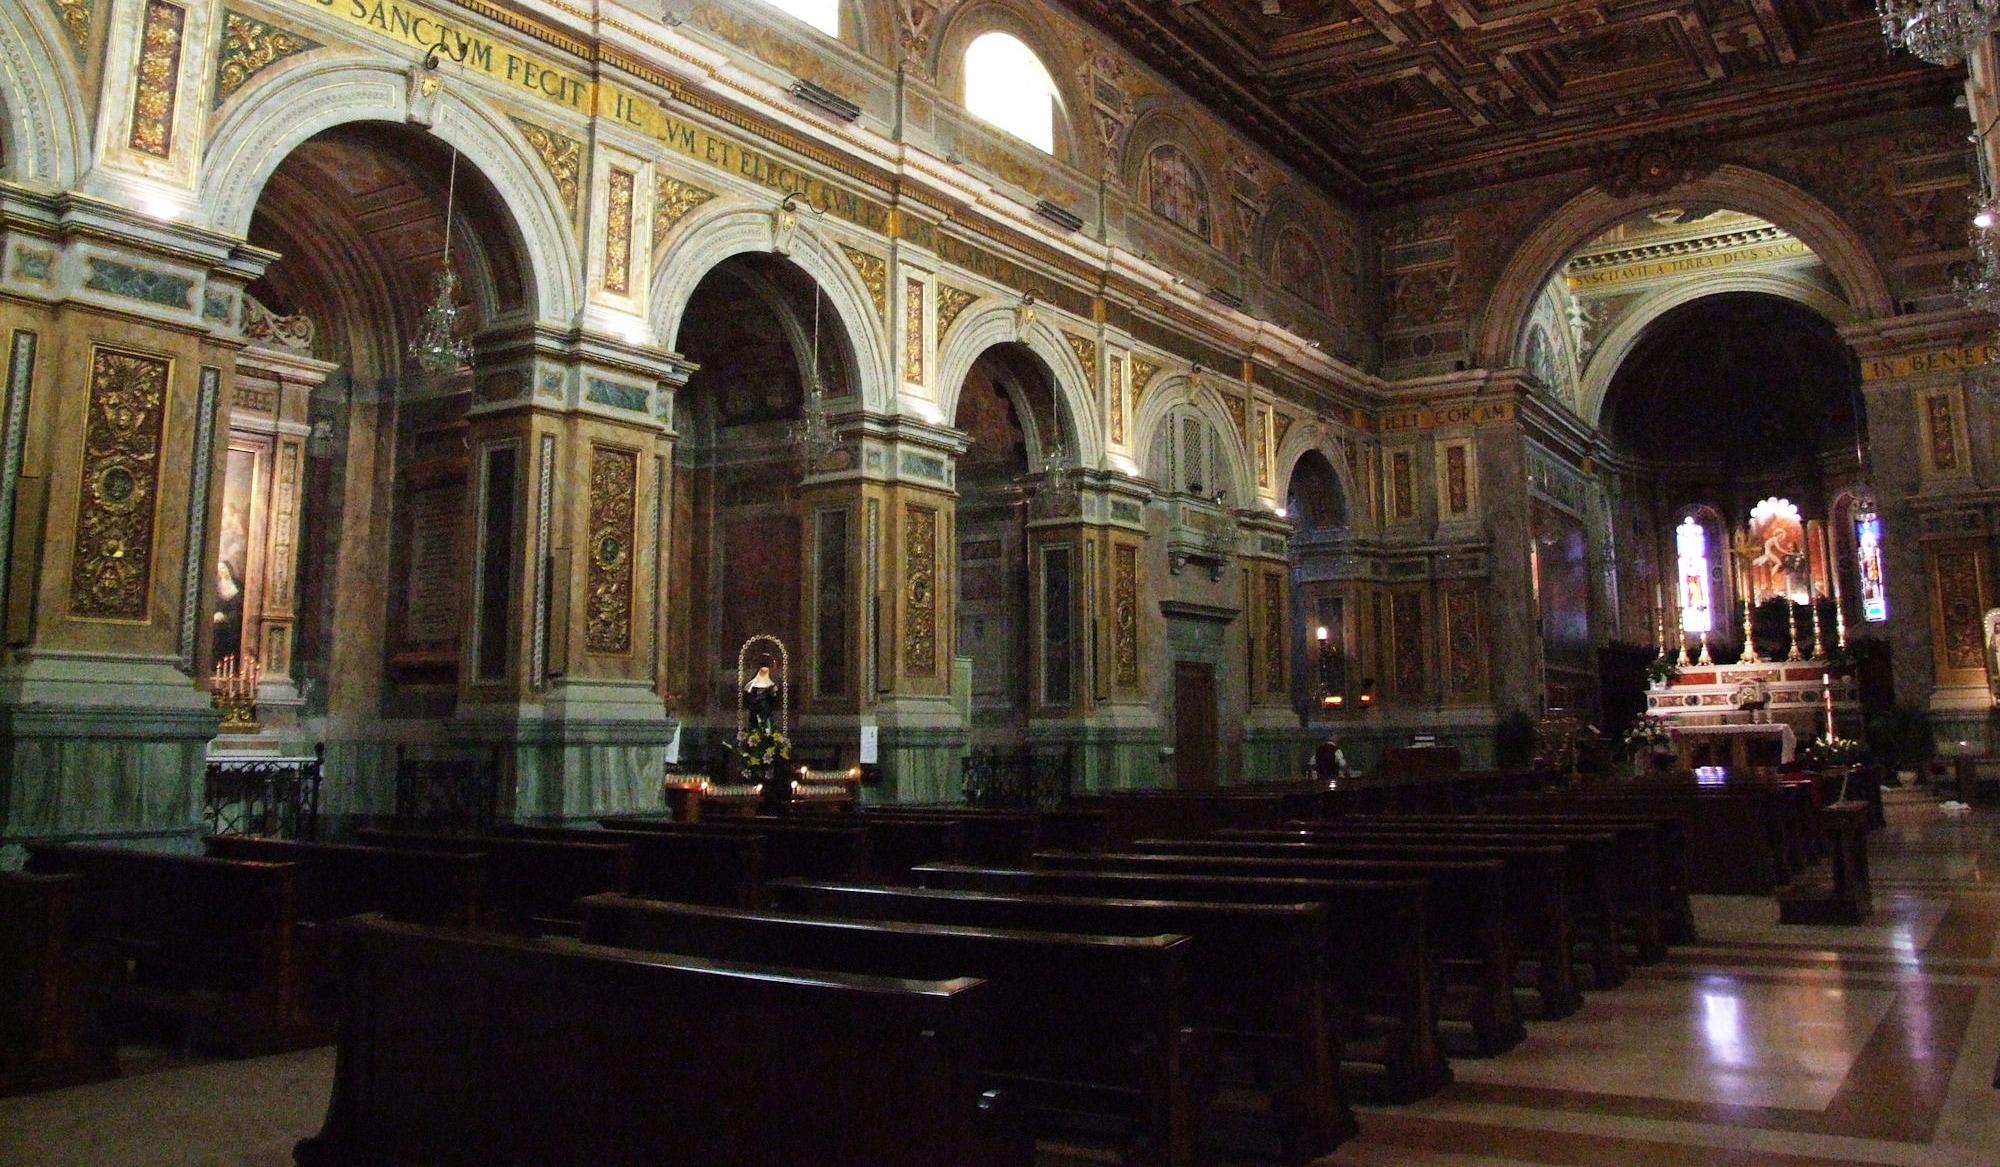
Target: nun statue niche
x,y
762,747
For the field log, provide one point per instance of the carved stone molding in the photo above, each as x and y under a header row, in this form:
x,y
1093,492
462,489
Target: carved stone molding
x,y
270,330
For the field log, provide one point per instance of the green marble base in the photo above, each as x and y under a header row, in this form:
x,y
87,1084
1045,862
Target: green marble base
x,y
84,772
921,764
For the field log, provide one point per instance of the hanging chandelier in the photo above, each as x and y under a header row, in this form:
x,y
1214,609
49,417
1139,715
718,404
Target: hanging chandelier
x,y
1942,32
1979,284
1055,495
437,348
813,432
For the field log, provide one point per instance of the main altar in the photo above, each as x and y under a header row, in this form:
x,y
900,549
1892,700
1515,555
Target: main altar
x,y
1756,710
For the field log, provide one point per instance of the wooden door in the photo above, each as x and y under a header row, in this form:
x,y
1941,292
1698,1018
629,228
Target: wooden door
x,y
1194,725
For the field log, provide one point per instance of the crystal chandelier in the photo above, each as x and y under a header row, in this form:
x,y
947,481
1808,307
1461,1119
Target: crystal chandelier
x,y
1979,285
1942,32
1056,494
813,432
437,348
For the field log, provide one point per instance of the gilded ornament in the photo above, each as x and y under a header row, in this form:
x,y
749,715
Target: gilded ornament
x,y
1118,403
674,200
250,46
1125,611
76,16
563,156
618,231
159,79
913,331
1275,639
111,564
1238,413
614,479
920,591
1086,353
874,273
951,304
1283,423
1143,372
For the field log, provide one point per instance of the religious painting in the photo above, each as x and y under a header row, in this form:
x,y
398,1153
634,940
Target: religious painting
x,y
232,560
1175,189
1991,624
1780,566
1299,266
1868,564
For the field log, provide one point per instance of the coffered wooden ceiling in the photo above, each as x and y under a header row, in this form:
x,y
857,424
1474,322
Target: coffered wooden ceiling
x,y
1387,100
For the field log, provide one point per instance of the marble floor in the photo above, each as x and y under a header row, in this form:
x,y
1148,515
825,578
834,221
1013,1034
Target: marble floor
x,y
1762,1046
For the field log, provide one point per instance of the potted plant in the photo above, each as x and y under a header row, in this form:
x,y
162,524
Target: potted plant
x,y
1660,670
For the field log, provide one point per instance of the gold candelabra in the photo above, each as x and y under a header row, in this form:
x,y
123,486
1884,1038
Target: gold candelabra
x,y
233,689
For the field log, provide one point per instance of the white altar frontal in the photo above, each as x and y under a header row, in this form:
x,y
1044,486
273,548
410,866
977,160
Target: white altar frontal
x,y
1795,691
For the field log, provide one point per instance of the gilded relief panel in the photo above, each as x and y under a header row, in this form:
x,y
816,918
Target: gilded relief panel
x,y
250,46
1465,656
951,304
111,565
614,481
913,331
919,590
1125,614
1275,640
155,94
1958,605
674,200
620,190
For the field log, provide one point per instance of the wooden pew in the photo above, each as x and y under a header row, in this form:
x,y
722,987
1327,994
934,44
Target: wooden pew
x,y
1534,923
1000,838
1258,985
532,885
1083,1027
1734,837
724,869
561,1054
1590,872
1390,1051
1653,925
1537,892
345,879
791,850
1180,814
51,988
210,943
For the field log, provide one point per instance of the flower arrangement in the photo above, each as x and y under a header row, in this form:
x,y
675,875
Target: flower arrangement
x,y
760,745
1647,732
1825,751
1660,670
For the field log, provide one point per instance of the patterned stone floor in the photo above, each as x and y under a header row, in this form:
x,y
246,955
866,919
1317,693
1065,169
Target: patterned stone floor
x,y
1762,1046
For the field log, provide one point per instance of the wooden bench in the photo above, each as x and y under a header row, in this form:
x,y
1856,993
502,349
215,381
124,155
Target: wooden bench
x,y
1179,814
1258,986
209,943
724,868
1536,920
985,836
1590,873
459,1048
1652,925
1734,838
1085,1030
51,988
346,879
1389,1047
791,850
531,885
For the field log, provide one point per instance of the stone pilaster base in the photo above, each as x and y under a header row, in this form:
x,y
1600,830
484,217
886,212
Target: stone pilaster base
x,y
597,748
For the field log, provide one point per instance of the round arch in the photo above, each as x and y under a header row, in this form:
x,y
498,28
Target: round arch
x,y
737,229
1595,383
44,127
1738,188
991,323
1313,436
1186,389
272,120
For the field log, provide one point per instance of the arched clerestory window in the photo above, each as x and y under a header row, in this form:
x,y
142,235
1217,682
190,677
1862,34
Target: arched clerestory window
x,y
1007,84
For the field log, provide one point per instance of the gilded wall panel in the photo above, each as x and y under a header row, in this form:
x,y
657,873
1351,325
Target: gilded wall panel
x,y
1465,648
614,481
620,189
156,92
913,331
674,200
874,272
1125,613
1957,607
561,155
1275,640
919,590
111,564
951,304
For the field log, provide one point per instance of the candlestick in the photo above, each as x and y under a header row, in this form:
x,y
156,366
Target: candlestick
x,y
1826,686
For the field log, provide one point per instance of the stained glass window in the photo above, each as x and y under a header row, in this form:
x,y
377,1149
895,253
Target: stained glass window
x,y
1691,542
1868,560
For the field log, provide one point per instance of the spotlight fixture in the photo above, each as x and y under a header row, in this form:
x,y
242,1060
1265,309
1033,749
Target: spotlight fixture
x,y
825,99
